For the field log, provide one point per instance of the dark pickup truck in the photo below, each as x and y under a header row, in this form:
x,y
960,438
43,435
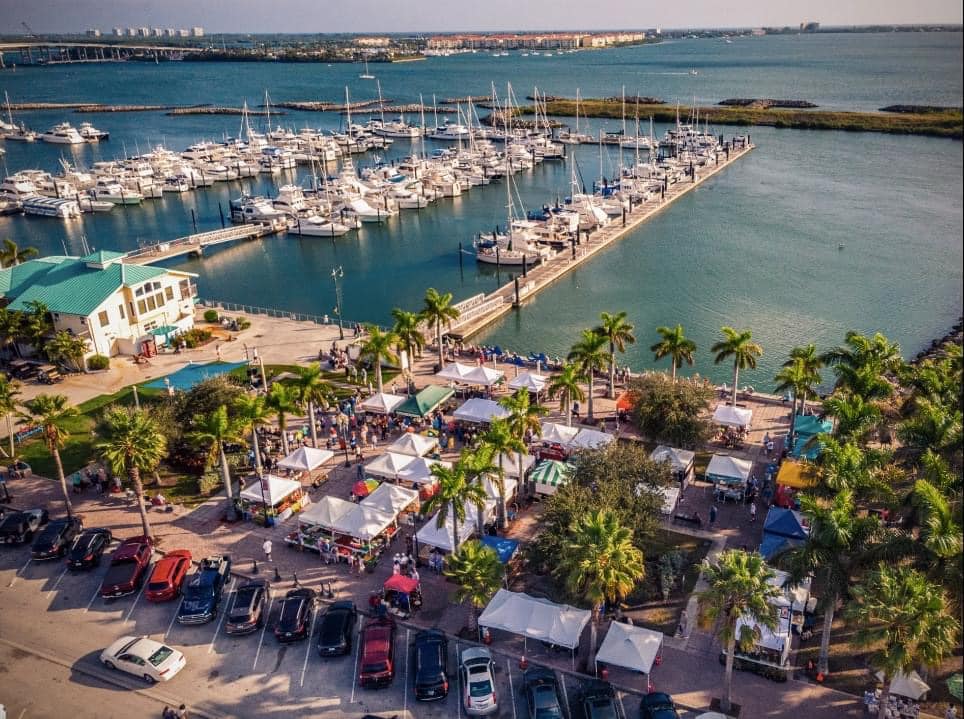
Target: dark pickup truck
x,y
128,567
201,593
20,527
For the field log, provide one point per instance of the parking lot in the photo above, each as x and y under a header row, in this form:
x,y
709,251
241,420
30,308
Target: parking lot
x,y
60,612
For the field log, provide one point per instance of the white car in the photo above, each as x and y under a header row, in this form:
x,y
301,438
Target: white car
x,y
477,672
143,657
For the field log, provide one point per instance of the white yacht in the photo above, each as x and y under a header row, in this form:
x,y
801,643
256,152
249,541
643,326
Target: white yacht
x,y
396,128
89,204
254,209
317,226
51,207
176,183
63,134
112,191
450,131
18,186
91,133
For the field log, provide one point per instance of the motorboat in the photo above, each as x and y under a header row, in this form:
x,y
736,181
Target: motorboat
x,y
317,226
91,133
176,183
10,206
89,204
290,199
396,128
450,131
51,207
247,209
19,134
113,191
367,213
18,186
63,134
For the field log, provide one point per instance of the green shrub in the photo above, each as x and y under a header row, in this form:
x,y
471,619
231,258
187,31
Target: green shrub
x,y
243,323
211,316
209,483
670,566
98,362
195,337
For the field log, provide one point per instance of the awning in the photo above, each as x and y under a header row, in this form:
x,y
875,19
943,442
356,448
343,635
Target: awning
x,y
909,685
432,535
786,523
325,512
455,372
558,433
630,647
382,403
363,522
420,471
425,401
480,410
777,639
389,465
550,474
731,416
276,490
535,618
728,470
590,439
529,381
400,583
484,376
391,498
809,425
504,547
416,445
799,475
306,459
680,459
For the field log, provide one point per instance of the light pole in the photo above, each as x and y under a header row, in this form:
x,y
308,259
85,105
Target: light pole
x,y
336,274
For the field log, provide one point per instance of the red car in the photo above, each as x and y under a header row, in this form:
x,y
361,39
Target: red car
x,y
168,576
378,653
128,567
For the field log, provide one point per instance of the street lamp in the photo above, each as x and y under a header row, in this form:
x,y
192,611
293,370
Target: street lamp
x,y
336,274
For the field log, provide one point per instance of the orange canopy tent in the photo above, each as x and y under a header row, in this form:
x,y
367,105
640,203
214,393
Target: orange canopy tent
x,y
624,403
799,475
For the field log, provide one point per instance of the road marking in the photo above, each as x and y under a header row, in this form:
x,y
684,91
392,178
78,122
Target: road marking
x,y
458,684
408,638
354,676
508,671
92,600
19,572
57,583
565,694
173,619
311,634
136,599
264,626
619,695
217,629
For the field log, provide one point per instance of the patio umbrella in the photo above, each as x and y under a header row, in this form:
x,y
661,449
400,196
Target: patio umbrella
x,y
364,487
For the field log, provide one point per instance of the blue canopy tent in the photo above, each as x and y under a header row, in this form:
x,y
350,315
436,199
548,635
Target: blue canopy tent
x,y
805,428
502,546
192,374
783,528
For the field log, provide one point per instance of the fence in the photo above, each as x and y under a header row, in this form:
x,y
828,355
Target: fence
x,y
280,314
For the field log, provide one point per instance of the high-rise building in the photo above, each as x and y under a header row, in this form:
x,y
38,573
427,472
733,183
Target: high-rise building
x,y
183,33
197,32
118,32
93,32
170,32
144,31
132,32
158,32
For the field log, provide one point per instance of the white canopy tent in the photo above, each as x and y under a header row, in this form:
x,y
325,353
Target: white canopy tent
x,y
731,416
306,459
510,463
480,410
492,490
275,490
670,499
630,647
325,512
590,439
389,465
420,471
909,685
680,459
727,467
382,403
455,371
391,498
431,535
558,433
530,381
363,522
535,618
485,376
416,445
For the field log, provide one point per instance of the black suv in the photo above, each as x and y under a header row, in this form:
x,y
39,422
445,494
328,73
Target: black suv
x,y
250,608
56,538
337,626
657,705
294,623
598,701
431,663
542,694
88,548
19,527
201,595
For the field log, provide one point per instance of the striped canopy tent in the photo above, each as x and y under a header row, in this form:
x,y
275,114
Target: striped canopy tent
x,y
549,475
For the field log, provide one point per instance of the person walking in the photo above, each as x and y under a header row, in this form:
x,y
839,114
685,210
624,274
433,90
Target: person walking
x,y
267,550
713,513
752,511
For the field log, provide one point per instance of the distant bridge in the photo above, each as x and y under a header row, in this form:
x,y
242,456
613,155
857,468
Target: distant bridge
x,y
50,52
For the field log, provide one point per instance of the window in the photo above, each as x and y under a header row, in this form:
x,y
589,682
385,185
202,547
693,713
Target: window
x,y
169,293
120,309
151,303
141,307
103,318
132,309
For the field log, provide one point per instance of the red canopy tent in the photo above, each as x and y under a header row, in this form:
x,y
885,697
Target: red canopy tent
x,y
624,403
400,583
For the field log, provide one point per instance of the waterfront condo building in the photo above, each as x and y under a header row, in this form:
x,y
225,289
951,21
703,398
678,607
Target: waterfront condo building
x,y
118,308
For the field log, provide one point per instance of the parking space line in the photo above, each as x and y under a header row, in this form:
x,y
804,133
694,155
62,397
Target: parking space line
x,y
508,671
354,676
57,583
171,625
232,596
408,638
19,572
565,694
458,682
619,695
136,599
264,626
92,599
311,635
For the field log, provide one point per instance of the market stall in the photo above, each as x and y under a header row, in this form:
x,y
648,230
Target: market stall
x,y
484,376
792,477
480,411
455,372
418,475
534,383
315,523
305,459
436,537
555,440
382,403
782,529
510,463
424,402
630,647
590,439
806,428
282,498
681,461
388,465
549,475
392,499
402,594
729,416
729,475
415,445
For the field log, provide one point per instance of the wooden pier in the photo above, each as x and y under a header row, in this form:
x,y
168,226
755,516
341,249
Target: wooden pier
x,y
486,309
195,244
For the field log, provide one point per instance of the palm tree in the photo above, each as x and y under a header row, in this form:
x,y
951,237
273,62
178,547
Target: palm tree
x,y
315,392
837,542
565,386
812,364
10,328
478,465
590,355
11,254
35,324
795,378
599,562
500,441
67,348
523,417
861,363
252,411
905,617
52,413
939,537
738,586
9,391
283,400
215,429
740,346
455,490
619,332
932,426
675,345
477,571
408,333
132,444
437,312
378,348
855,416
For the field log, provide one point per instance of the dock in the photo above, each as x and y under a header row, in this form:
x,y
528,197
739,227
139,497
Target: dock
x,y
196,244
482,310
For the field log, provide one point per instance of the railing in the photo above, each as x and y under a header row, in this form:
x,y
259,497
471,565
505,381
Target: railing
x,y
199,240
280,314
487,305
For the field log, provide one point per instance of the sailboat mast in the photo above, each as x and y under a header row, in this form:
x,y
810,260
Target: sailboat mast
x,y
381,105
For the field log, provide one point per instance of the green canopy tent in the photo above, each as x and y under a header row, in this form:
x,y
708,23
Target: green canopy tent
x,y
550,474
425,401
955,685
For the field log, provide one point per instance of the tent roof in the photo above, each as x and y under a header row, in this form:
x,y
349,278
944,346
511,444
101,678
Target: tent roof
x,y
777,639
391,498
670,498
485,376
480,410
558,433
681,459
535,618
455,371
492,490
278,488
552,472
389,464
732,416
430,534
401,583
325,512
306,458
630,646
413,444
809,425
590,439
420,470
510,463
528,380
799,475
382,402
363,522
502,546
785,523
909,685
425,401
797,594
725,466
773,544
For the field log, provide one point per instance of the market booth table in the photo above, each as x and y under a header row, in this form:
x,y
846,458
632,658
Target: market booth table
x,y
630,647
729,476
314,524
274,496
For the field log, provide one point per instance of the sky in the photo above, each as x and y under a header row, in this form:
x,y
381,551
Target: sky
x,y
315,16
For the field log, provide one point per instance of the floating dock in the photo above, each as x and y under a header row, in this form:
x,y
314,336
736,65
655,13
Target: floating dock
x,y
195,244
483,310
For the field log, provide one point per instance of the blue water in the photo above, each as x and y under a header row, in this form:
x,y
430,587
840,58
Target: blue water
x,y
756,246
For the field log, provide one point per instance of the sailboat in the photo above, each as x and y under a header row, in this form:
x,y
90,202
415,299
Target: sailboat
x,y
366,75
10,130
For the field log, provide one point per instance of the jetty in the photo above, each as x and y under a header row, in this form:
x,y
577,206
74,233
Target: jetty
x,y
197,243
482,310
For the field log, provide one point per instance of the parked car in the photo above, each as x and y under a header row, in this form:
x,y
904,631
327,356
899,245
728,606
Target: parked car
x,y
19,527
201,594
128,567
55,539
542,694
168,576
658,705
378,653
336,629
477,672
249,611
294,622
431,651
88,547
598,701
143,657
